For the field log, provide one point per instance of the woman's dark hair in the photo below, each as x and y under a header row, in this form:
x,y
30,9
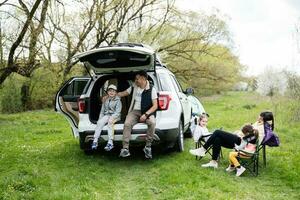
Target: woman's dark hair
x,y
268,116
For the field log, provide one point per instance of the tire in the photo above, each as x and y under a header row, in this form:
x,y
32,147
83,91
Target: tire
x,y
179,146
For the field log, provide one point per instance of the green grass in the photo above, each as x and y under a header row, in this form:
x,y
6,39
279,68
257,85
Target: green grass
x,y
40,159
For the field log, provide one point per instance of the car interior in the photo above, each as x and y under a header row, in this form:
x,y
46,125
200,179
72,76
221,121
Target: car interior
x,y
122,81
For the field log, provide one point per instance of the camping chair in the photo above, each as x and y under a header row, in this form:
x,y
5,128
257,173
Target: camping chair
x,y
250,160
200,143
264,156
270,139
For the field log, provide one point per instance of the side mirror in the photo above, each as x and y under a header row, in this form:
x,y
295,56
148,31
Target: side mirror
x,y
189,91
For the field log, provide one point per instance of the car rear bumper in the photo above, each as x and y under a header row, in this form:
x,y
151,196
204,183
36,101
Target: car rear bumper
x,y
137,136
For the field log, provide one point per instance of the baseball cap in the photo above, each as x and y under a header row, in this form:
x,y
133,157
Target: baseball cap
x,y
112,86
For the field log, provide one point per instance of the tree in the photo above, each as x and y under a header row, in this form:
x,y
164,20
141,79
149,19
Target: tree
x,y
22,56
272,82
96,23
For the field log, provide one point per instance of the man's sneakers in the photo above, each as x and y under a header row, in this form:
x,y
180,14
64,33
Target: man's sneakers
x,y
198,152
148,152
212,163
94,145
240,170
108,147
230,168
124,153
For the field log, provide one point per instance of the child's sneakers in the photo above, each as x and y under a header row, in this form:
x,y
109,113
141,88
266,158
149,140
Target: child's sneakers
x,y
124,153
94,145
240,170
230,168
198,152
108,147
211,163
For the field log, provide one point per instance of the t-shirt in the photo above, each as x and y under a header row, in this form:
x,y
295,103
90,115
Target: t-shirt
x,y
200,132
261,130
138,96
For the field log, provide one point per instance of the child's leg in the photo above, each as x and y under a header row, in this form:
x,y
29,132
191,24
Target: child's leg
x,y
233,158
100,124
110,130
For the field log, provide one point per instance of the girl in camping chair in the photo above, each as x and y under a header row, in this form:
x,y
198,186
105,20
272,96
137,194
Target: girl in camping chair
x,y
247,145
199,129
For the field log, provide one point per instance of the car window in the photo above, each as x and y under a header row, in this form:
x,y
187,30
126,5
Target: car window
x,y
79,87
176,84
166,82
117,59
75,88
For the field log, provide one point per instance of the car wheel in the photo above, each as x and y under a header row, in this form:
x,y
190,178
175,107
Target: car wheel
x,y
179,143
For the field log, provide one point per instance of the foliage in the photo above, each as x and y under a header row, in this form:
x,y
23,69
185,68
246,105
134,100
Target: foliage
x,y
41,160
293,91
10,96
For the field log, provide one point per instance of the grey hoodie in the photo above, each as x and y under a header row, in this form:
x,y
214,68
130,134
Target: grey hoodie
x,y
112,107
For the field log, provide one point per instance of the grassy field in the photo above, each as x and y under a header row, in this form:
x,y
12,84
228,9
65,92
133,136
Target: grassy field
x,y
40,159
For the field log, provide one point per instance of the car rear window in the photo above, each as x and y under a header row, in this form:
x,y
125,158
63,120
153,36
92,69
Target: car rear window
x,y
117,59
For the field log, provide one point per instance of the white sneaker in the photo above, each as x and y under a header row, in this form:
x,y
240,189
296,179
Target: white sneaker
x,y
198,152
211,163
230,169
240,170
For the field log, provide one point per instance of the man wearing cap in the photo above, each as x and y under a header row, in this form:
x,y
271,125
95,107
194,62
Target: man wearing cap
x,y
109,114
142,109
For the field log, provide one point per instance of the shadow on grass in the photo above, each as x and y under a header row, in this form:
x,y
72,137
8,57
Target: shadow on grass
x,y
69,151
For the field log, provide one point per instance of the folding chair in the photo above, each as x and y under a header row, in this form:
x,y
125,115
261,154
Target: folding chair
x,y
250,160
264,155
200,143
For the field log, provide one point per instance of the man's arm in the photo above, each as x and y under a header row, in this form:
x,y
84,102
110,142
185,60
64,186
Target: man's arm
x,y
123,93
151,110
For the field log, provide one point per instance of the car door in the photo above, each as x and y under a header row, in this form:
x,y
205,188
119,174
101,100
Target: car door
x,y
186,106
118,59
66,100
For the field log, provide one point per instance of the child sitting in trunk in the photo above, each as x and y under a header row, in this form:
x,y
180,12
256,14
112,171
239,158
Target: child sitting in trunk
x,y
109,114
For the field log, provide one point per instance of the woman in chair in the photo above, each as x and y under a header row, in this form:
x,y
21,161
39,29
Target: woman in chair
x,y
221,138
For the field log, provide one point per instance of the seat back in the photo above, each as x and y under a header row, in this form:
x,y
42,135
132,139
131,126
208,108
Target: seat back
x,y
250,160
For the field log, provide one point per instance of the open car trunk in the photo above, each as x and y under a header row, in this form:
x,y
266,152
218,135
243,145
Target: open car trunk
x,y
122,81
106,60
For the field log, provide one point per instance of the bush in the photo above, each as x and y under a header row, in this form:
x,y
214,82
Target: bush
x,y
11,96
294,93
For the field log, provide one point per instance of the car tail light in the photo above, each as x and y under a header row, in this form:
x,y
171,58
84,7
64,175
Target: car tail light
x,y
81,105
164,101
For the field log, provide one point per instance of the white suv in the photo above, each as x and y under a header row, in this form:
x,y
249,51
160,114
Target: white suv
x,y
79,98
